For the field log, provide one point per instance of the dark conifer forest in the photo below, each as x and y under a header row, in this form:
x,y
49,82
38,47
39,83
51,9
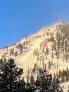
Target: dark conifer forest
x,y
11,80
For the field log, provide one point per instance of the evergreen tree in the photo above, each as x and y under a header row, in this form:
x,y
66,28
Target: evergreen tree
x,y
9,76
20,47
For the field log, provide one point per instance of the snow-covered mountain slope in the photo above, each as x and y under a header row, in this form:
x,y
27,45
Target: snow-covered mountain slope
x,y
48,48
50,45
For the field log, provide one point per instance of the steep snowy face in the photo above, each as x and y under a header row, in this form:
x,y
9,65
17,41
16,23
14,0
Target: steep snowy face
x,y
48,48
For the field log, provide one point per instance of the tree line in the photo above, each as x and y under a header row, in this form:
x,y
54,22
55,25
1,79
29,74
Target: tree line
x,y
11,80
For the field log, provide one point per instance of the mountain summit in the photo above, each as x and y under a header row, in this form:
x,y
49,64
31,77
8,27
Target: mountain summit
x,y
48,48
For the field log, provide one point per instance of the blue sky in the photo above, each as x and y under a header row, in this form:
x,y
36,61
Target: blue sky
x,y
19,18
